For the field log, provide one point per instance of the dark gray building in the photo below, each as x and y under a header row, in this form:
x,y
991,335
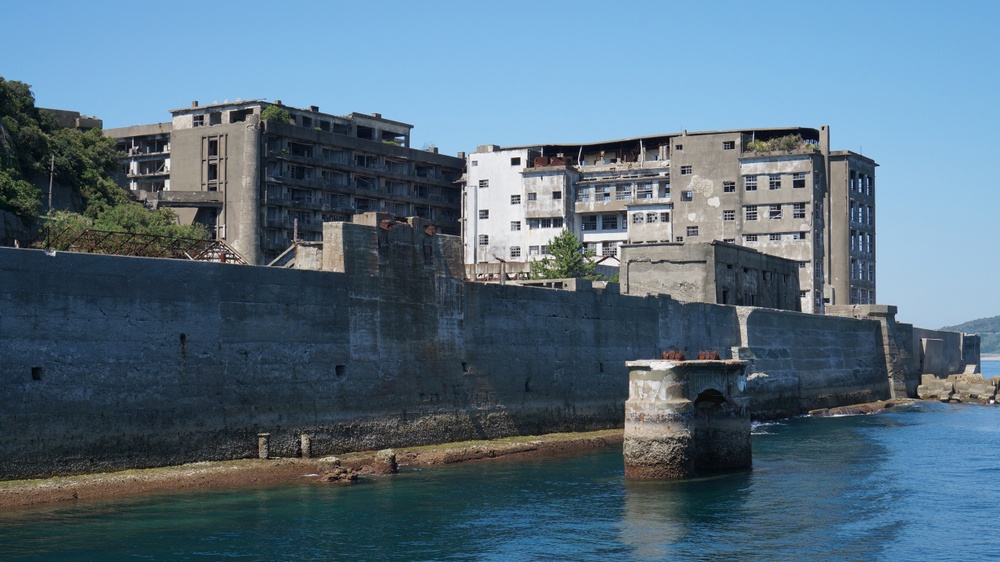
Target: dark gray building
x,y
260,183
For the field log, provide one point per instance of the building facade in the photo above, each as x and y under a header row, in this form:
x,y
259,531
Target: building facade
x,y
779,191
261,183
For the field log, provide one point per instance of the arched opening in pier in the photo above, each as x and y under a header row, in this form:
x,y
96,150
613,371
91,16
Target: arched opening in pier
x,y
709,399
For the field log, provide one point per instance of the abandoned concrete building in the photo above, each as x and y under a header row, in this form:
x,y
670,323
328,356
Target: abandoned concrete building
x,y
258,184
781,191
716,272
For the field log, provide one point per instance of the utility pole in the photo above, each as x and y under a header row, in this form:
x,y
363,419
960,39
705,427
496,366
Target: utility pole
x,y
52,171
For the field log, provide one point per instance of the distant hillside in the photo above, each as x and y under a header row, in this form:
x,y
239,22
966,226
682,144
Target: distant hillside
x,y
988,330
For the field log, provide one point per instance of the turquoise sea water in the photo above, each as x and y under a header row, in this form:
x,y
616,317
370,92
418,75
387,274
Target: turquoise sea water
x,y
915,483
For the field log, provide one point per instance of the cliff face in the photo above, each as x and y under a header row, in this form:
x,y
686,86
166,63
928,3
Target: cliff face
x,y
116,362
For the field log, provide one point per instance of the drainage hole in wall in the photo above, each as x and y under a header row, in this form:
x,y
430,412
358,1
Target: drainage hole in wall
x,y
36,373
184,339
339,370
465,367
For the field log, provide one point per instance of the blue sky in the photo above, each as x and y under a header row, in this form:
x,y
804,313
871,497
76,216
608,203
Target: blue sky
x,y
911,84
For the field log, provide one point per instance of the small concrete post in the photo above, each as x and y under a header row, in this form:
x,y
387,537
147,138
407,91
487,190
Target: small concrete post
x,y
305,445
685,417
384,462
263,450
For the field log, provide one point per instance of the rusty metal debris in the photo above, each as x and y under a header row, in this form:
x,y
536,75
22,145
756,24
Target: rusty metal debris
x,y
132,244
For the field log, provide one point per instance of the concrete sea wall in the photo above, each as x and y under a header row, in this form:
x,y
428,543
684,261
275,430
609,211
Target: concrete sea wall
x,y
115,362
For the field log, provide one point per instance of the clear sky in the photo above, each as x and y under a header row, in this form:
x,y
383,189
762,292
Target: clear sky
x,y
910,84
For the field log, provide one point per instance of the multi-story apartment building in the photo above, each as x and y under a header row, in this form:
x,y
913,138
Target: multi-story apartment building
x,y
779,191
259,184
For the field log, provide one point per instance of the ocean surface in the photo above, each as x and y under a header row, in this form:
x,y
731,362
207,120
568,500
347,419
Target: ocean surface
x,y
917,482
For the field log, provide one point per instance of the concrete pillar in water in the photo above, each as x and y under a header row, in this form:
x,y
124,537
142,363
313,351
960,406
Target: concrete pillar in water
x,y
685,417
263,450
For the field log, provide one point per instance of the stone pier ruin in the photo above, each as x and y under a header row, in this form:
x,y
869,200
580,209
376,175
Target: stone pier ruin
x,y
683,418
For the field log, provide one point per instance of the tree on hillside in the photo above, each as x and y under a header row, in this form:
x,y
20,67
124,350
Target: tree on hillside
x,y
569,260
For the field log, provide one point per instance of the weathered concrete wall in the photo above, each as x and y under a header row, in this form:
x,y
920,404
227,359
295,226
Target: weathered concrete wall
x,y
802,361
112,362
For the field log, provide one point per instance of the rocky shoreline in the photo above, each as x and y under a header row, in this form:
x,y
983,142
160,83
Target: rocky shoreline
x,y
256,472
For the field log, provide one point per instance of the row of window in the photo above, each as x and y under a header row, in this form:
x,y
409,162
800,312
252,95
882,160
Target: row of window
x,y
862,183
862,241
776,237
862,270
622,192
774,181
862,214
774,212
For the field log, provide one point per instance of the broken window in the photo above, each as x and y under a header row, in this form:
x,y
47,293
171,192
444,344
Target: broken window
x,y
799,236
774,237
774,212
213,172
515,226
609,222
686,170
798,180
397,139
750,237
366,160
515,161
484,240
652,218
364,182
484,183
728,145
307,122
750,183
664,217
623,192
583,195
532,196
729,187
588,222
609,249
215,118
798,210
603,193
638,218
300,150
198,120
687,195
484,213
556,195
750,212
644,191
678,147
774,181
679,239
515,251
213,147
729,215
240,115
367,133
515,199
324,126
532,250
692,231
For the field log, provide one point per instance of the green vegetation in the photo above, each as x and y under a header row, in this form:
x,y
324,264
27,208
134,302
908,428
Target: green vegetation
x,y
31,143
568,260
275,113
988,330
787,142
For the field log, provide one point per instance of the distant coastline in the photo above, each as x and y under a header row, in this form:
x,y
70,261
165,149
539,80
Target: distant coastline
x,y
990,357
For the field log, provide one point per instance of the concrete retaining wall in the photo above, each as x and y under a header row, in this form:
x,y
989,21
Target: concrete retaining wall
x,y
112,362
